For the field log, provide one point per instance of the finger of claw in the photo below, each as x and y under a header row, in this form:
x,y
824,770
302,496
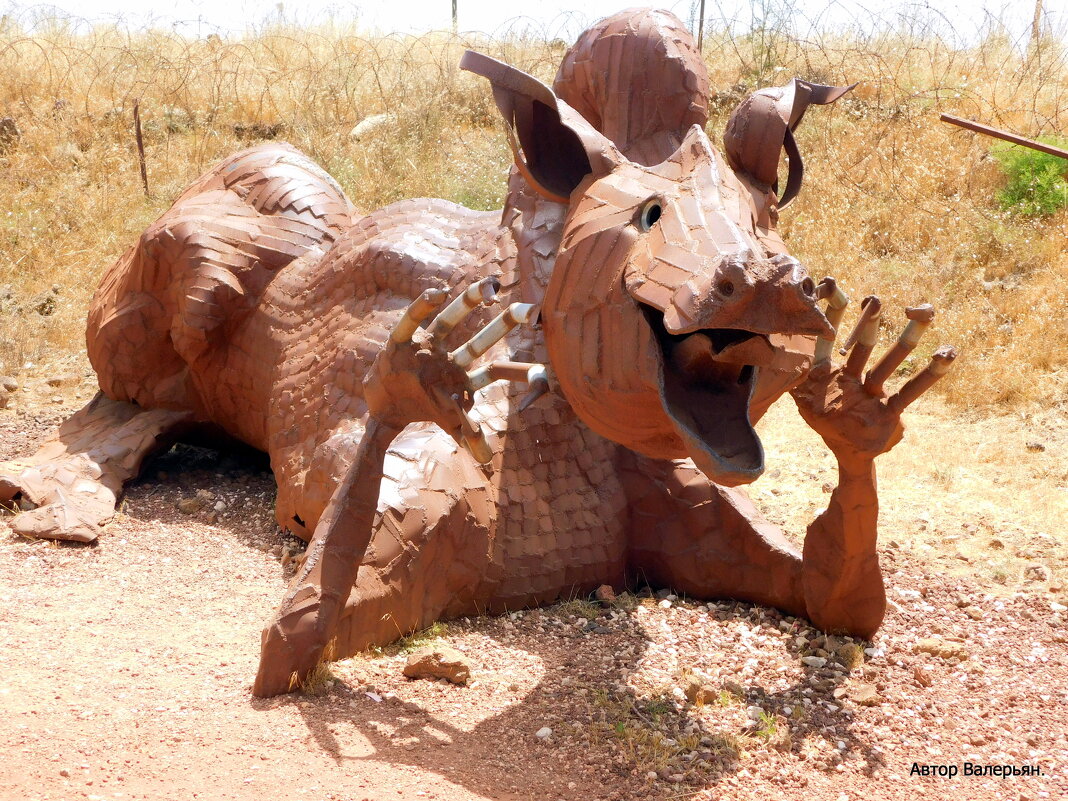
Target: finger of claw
x,y
418,311
471,435
920,319
837,300
862,340
533,374
479,292
497,329
941,361
538,383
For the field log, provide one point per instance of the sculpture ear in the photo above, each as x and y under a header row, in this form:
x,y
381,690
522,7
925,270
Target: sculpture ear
x,y
553,146
762,127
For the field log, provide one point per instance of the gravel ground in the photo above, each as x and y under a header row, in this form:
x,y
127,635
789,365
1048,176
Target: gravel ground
x,y
126,667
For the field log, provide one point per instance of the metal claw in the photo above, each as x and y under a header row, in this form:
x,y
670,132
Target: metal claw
x,y
533,374
941,361
538,383
920,319
865,334
497,329
482,291
418,311
471,435
837,300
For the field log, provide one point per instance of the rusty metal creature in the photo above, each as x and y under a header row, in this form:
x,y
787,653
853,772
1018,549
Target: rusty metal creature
x,y
636,263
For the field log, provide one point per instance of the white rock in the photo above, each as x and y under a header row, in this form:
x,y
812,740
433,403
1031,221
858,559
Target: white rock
x,y
543,733
814,661
1056,607
665,604
754,712
370,124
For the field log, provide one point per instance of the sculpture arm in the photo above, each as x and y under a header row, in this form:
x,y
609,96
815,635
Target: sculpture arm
x,y
295,640
840,577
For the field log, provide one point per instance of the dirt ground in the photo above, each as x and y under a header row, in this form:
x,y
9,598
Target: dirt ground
x,y
126,666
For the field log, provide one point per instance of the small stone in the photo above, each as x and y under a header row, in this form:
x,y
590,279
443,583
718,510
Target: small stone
x,y
1036,572
64,773
9,383
56,381
205,495
605,594
754,712
866,695
940,648
665,604
974,612
438,662
189,506
698,691
220,506
1056,607
814,661
922,676
544,733
734,688
651,775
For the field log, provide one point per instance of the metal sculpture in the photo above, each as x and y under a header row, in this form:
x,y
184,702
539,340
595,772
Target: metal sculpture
x,y
631,259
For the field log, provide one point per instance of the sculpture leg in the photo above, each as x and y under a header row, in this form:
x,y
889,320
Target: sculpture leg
x,y
430,552
705,540
75,478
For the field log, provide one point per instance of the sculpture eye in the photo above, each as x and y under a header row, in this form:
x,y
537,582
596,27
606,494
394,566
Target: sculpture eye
x,y
650,213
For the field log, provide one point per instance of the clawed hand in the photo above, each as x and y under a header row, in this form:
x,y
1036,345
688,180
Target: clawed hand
x,y
852,413
415,378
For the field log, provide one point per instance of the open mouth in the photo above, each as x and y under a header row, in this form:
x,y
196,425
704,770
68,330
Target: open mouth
x,y
706,381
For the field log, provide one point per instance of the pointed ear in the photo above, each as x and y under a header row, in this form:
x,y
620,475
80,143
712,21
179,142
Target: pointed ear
x,y
553,146
762,126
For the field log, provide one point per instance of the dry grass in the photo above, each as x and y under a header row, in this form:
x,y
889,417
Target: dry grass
x,y
896,203
975,499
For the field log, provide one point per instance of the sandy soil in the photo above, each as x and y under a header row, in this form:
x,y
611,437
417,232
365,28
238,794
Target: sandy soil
x,y
126,666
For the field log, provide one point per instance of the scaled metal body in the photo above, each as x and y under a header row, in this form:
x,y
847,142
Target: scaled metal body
x,y
671,316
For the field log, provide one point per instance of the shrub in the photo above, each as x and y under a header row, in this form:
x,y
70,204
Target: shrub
x,y
1036,183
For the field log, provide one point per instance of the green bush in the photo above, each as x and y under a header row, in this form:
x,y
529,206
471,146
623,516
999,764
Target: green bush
x,y
1036,185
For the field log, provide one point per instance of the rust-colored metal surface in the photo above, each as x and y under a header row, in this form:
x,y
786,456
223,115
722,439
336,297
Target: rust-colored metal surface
x,y
1007,136
470,412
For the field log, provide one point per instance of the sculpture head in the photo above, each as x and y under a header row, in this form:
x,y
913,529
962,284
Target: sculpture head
x,y
672,303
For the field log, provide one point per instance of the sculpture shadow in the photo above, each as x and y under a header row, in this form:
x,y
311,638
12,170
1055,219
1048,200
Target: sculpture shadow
x,y
607,735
